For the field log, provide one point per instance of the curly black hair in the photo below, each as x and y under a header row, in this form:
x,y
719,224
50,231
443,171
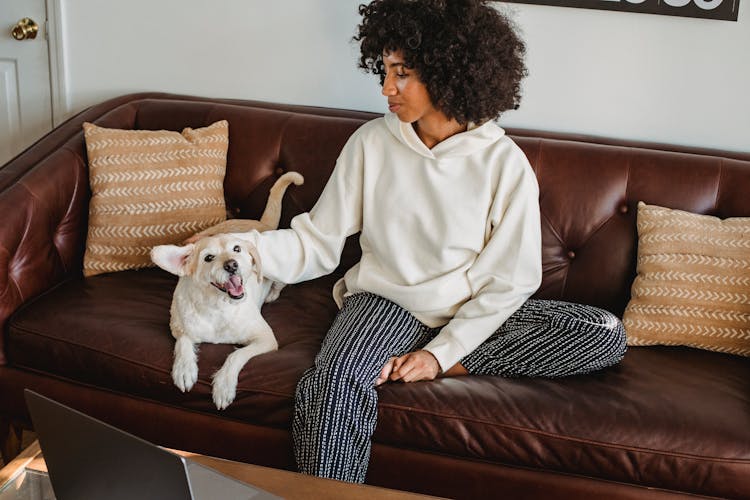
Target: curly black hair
x,y
466,52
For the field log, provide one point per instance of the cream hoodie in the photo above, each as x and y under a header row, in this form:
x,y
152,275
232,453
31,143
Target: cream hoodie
x,y
452,233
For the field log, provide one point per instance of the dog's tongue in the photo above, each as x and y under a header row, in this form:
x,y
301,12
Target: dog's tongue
x,y
234,286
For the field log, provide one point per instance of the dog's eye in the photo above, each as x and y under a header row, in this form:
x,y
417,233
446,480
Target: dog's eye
x,y
237,249
208,258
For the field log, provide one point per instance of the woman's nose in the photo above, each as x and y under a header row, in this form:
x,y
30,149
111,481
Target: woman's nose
x,y
389,88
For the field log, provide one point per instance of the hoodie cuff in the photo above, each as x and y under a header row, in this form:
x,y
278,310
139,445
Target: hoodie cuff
x,y
447,352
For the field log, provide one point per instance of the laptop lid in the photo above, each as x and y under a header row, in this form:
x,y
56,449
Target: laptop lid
x,y
88,459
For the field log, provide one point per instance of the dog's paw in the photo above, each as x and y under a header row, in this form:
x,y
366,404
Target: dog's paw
x,y
224,388
274,292
184,375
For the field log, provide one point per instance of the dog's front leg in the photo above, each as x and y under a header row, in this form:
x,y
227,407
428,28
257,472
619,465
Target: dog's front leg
x,y
185,366
274,292
225,380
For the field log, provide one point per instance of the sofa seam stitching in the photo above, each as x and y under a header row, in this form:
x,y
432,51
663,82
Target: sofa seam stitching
x,y
425,412
11,280
140,397
564,438
565,264
718,186
542,214
505,463
121,358
611,217
627,176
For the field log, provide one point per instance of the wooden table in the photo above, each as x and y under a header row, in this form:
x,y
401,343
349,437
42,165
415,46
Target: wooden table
x,y
290,485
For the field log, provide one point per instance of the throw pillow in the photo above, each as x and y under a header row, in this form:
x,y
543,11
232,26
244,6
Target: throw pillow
x,y
150,188
693,281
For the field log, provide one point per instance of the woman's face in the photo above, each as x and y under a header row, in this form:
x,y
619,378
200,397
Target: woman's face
x,y
407,95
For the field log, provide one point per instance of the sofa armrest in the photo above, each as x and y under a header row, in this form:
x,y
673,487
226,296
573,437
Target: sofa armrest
x,y
43,233
44,195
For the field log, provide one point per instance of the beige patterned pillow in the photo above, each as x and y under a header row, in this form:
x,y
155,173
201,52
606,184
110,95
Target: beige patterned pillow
x,y
693,283
150,188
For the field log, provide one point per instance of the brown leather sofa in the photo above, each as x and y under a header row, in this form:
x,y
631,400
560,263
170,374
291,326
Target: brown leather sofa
x,y
665,422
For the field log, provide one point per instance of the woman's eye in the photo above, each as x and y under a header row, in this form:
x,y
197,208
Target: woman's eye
x,y
208,258
237,249
402,75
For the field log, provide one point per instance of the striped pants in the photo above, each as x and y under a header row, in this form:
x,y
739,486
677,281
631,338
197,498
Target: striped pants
x,y
336,399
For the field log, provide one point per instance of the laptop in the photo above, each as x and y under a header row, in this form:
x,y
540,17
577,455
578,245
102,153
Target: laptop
x,y
90,460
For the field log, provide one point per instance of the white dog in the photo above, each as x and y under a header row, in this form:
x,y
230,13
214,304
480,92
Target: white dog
x,y
219,295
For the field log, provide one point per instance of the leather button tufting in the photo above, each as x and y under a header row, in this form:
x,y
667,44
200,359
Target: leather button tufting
x,y
623,209
571,254
279,171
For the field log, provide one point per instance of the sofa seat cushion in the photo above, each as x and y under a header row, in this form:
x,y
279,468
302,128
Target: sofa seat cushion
x,y
668,416
112,331
674,417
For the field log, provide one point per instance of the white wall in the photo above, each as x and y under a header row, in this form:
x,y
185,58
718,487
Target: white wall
x,y
630,76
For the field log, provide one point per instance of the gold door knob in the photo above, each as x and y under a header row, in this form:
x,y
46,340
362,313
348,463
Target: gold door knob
x,y
25,29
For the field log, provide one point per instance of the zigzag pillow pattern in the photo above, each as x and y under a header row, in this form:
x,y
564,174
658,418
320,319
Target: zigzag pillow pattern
x,y
150,188
693,282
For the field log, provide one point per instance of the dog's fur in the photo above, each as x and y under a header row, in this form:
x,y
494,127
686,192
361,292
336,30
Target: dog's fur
x,y
219,295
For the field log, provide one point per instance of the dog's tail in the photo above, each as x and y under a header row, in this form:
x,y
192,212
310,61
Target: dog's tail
x,y
272,213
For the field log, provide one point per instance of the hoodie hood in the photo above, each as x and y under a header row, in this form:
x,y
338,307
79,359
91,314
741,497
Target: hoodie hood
x,y
475,138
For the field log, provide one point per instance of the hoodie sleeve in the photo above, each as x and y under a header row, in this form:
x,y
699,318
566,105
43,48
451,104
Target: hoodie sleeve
x,y
313,244
504,275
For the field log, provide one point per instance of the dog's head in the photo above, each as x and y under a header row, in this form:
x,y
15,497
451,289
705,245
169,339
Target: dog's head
x,y
223,262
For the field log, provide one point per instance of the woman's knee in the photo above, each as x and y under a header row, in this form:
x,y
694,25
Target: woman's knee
x,y
600,329
610,341
340,371
607,336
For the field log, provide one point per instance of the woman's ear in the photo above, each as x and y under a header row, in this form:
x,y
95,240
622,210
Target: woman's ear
x,y
172,258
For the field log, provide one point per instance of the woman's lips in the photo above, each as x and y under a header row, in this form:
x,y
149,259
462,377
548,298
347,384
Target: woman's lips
x,y
393,107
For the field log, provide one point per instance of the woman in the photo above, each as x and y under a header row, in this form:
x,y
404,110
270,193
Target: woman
x,y
447,206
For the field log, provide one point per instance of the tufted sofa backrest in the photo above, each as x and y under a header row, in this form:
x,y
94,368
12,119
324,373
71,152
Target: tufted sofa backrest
x,y
263,144
588,197
588,190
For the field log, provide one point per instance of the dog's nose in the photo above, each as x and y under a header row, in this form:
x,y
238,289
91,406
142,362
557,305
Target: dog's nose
x,y
231,266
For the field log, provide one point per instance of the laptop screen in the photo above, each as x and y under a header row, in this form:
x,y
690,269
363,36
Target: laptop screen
x,y
90,460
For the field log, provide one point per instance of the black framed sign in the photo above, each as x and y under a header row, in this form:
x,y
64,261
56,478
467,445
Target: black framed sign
x,y
725,10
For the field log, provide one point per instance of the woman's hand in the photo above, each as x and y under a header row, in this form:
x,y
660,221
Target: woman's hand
x,y
411,367
385,372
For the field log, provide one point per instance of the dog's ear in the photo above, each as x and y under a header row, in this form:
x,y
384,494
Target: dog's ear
x,y
172,258
256,257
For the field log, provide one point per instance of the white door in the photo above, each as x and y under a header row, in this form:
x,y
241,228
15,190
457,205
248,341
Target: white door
x,y
25,99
